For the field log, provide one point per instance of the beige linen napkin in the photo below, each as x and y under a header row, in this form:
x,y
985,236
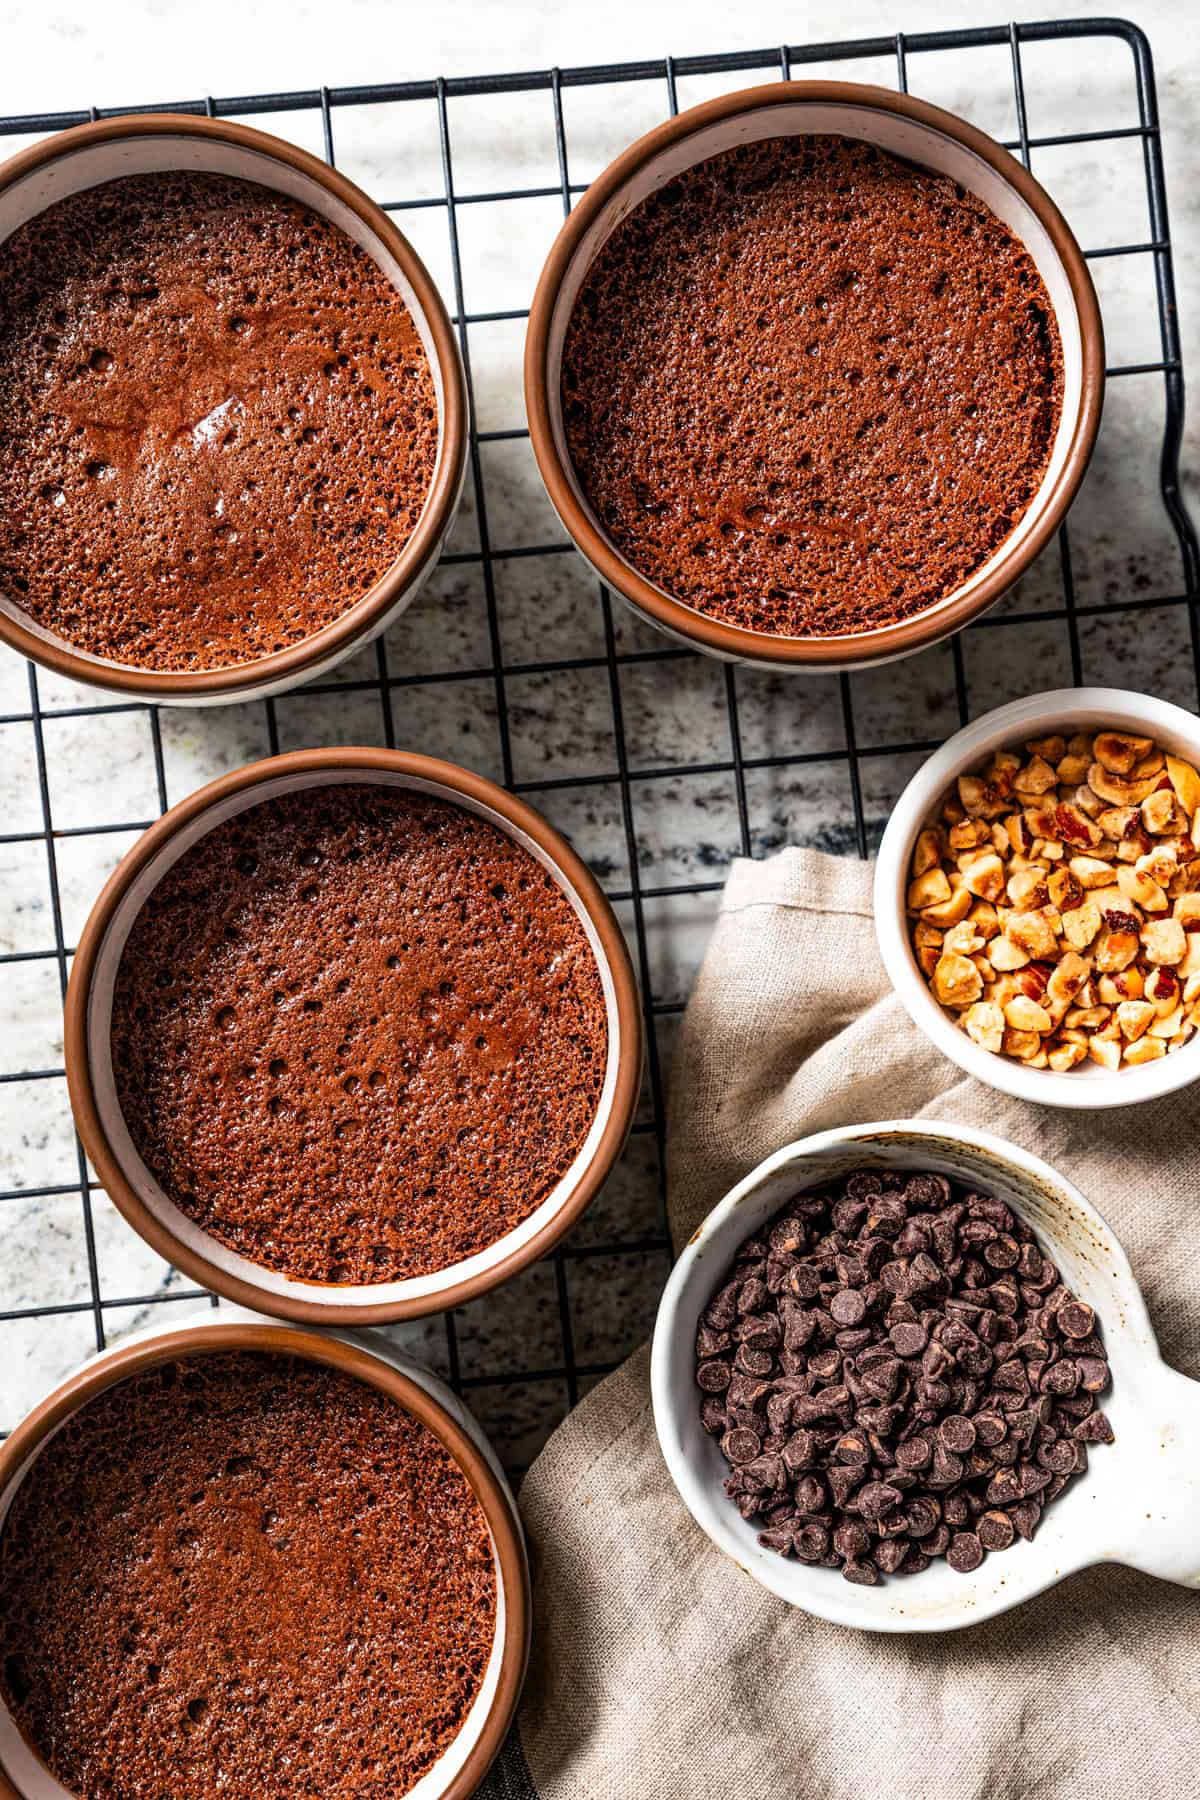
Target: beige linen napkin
x,y
659,1669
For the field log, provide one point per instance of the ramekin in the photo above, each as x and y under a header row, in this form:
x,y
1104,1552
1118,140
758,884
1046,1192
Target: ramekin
x,y
93,1090
1067,710
1136,1503
144,143
907,128
23,1775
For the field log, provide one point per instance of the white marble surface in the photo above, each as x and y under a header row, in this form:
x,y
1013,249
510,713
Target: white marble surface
x,y
102,769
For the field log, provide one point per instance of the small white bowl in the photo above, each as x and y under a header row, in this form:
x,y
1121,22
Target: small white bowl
x,y
1063,710
1137,1502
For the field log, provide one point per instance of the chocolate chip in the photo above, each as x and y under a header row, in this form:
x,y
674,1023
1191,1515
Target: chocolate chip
x,y
864,1574
965,1552
740,1446
852,1447
914,1453
957,1433
890,1554
1025,1517
712,1416
908,1339
990,1428
1093,1374
923,1516
1059,1457
851,1540
848,1306
995,1530
811,1543
1094,1430
1076,1319
713,1376
799,1452
877,1498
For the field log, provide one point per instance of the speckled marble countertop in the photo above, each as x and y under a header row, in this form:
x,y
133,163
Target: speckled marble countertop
x,y
520,1370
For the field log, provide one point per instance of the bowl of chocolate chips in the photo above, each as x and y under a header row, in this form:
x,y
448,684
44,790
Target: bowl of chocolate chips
x,y
903,1376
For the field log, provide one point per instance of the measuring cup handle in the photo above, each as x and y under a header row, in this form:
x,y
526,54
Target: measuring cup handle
x,y
1163,1535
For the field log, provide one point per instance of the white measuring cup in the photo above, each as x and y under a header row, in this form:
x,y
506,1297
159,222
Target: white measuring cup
x,y
1138,1502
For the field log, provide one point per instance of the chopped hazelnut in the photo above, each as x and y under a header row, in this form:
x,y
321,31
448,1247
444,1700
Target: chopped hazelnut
x,y
1118,751
1164,941
1116,789
1024,1014
1161,813
926,852
1035,778
1115,949
929,887
1135,1017
1186,783
1035,931
949,912
956,981
1081,924
984,876
1004,955
1091,871
1141,889
984,1022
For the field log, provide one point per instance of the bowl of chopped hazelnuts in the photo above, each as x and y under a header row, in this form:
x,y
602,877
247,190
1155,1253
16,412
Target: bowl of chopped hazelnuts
x,y
1037,898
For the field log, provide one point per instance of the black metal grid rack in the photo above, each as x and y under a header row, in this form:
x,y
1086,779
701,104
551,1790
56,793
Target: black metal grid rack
x,y
609,1272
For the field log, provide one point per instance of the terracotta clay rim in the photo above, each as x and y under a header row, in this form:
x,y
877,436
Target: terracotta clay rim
x,y
349,1359
421,548
736,641
348,762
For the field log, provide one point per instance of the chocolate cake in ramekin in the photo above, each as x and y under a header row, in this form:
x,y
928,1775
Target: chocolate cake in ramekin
x,y
812,373
242,1558
352,1035
234,417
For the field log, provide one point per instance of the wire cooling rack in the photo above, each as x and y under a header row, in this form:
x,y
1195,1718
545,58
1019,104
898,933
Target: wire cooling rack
x,y
660,764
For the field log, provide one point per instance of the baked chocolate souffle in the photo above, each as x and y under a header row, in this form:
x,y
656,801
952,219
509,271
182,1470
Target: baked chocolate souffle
x,y
243,1574
810,389
358,1034
218,425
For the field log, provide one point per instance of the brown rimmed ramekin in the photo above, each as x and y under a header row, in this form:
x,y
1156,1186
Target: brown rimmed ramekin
x,y
23,1774
907,128
143,143
88,1056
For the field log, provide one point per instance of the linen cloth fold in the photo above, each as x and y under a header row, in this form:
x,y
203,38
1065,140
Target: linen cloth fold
x,y
659,1669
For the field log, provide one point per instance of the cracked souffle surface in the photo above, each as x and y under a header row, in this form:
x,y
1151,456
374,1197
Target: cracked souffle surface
x,y
358,1033
244,1574
809,388
218,427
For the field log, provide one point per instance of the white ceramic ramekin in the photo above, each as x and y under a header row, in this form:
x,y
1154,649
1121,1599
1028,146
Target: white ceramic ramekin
x,y
139,144
1063,710
87,1040
371,1358
907,128
1137,1502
